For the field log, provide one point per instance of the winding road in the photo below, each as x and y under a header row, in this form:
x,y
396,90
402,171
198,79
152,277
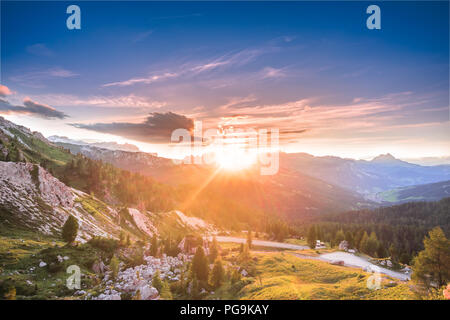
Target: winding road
x,y
262,243
350,260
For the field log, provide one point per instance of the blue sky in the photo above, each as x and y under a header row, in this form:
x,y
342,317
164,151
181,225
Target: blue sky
x,y
313,70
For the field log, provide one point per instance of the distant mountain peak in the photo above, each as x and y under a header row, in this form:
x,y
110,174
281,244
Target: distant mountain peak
x,y
385,158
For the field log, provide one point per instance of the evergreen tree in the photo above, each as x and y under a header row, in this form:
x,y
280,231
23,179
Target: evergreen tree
x,y
121,238
154,246
431,266
165,292
114,266
364,241
70,229
200,266
214,252
349,238
311,237
217,274
372,244
340,236
245,254
235,276
157,282
249,239
393,252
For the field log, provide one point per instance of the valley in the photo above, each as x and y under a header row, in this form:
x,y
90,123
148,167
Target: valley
x,y
147,228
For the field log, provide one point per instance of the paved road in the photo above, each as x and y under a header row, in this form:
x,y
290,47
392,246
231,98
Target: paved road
x,y
262,243
349,259
360,262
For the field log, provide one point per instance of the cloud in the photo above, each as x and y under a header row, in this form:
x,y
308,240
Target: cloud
x,y
31,107
4,91
145,80
121,101
157,128
35,78
142,36
39,49
270,72
192,69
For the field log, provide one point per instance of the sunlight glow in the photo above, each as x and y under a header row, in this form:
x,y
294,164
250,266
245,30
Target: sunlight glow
x,y
234,158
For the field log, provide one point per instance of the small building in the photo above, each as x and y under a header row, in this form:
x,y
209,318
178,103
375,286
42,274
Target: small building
x,y
320,245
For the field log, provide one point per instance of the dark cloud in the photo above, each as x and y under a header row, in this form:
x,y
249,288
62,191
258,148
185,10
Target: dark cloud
x,y
157,128
32,108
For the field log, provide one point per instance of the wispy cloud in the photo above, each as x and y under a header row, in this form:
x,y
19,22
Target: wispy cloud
x,y
270,72
142,36
192,69
123,101
40,49
35,78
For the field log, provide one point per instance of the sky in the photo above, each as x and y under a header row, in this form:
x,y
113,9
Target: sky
x,y
314,71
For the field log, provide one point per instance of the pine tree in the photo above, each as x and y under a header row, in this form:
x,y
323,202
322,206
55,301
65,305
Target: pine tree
x,y
245,254
372,244
235,276
200,266
393,252
363,244
217,274
431,266
70,229
154,246
311,237
157,282
349,238
165,292
121,238
114,266
249,239
340,236
214,252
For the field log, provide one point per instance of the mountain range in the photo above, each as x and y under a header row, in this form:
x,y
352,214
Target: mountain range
x,y
304,186
367,178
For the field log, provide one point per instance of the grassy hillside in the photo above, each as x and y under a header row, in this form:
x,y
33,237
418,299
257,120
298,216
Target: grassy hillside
x,y
282,276
424,192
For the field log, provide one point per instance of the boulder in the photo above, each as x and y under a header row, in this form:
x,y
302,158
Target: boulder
x,y
148,292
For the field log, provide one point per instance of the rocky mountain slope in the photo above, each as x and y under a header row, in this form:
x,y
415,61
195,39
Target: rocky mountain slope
x,y
31,198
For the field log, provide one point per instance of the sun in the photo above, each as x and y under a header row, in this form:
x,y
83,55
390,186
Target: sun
x,y
233,158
